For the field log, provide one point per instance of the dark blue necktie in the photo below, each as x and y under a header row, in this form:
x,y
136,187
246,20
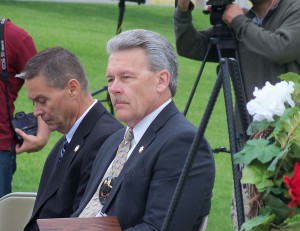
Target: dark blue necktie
x,y
64,147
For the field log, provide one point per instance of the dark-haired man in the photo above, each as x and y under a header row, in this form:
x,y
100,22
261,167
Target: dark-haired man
x,y
57,84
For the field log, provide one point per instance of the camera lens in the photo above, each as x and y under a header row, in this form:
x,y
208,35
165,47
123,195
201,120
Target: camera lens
x,y
20,115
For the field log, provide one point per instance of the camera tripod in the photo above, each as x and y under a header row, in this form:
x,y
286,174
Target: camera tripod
x,y
228,67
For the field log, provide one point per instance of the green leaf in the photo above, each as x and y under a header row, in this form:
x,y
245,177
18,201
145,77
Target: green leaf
x,y
258,126
295,78
278,207
277,190
295,147
288,127
258,175
256,149
259,223
290,76
293,221
272,166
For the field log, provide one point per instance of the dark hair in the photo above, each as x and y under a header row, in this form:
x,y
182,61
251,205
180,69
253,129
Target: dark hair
x,y
58,66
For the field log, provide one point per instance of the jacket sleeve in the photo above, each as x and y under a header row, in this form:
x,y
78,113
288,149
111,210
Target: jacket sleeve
x,y
191,43
194,202
279,45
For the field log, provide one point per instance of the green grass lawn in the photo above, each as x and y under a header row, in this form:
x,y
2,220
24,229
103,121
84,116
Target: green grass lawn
x,y
84,29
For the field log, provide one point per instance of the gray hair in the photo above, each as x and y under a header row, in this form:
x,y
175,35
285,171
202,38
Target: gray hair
x,y
159,51
58,65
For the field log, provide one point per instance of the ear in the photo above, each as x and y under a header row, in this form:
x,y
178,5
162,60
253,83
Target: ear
x,y
163,80
73,87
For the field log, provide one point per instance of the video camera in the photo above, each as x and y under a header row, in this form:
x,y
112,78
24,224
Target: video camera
x,y
26,122
216,10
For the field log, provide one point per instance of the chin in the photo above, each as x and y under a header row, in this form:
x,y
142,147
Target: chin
x,y
52,129
122,117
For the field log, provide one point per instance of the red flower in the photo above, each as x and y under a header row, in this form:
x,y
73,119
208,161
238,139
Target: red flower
x,y
293,184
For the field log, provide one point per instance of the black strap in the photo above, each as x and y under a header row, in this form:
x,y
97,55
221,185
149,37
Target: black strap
x,y
5,74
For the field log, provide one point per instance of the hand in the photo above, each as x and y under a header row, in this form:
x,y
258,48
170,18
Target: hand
x,y
183,5
232,10
33,143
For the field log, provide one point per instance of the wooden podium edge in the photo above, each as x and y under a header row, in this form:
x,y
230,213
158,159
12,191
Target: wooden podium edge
x,y
109,223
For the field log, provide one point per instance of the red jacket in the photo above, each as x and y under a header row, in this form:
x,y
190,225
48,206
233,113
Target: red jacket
x,y
19,48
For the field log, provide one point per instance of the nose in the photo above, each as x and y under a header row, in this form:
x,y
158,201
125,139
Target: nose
x,y
114,87
37,111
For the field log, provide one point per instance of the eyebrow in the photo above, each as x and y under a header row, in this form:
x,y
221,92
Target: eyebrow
x,y
38,97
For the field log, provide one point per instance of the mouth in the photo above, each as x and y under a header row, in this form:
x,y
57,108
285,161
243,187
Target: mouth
x,y
46,121
119,106
119,102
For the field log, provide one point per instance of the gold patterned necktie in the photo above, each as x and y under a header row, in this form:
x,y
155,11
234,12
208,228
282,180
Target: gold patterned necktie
x,y
116,167
122,153
97,201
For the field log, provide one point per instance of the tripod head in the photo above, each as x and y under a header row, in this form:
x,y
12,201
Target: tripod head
x,y
216,10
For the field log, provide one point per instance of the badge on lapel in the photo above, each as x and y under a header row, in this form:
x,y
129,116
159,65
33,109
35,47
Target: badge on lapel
x,y
141,149
76,148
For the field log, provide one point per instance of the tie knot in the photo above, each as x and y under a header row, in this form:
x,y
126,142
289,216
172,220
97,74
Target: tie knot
x,y
128,135
64,147
65,144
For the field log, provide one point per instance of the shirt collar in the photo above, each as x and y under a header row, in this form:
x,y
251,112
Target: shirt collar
x,y
73,129
143,125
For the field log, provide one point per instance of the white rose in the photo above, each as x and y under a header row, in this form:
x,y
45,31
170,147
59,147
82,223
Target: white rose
x,y
270,100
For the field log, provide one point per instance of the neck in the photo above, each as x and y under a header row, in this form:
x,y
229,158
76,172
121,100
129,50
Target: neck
x,y
81,105
84,104
261,8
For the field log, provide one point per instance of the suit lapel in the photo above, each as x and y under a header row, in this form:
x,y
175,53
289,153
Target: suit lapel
x,y
62,168
130,163
58,174
143,144
100,167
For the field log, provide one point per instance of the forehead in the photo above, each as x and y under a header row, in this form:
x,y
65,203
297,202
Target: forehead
x,y
37,87
132,57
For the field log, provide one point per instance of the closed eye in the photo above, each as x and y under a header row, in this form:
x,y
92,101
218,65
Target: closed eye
x,y
39,100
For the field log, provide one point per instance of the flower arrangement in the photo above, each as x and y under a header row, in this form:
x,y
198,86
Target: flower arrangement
x,y
271,157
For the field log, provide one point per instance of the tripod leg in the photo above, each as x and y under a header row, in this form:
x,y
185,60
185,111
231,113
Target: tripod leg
x,y
187,106
239,95
232,139
189,161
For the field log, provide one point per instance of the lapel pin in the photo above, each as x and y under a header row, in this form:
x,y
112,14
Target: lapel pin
x,y
76,148
141,149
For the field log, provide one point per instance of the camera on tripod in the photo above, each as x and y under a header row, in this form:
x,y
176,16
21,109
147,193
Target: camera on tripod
x,y
26,122
216,10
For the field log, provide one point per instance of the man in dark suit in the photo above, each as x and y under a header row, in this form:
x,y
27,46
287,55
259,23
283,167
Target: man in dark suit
x,y
142,78
56,83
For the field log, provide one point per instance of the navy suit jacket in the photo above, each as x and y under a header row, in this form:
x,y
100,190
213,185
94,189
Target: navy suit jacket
x,y
63,183
141,196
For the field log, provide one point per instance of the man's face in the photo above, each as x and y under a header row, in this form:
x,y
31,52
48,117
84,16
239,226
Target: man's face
x,y
134,90
54,105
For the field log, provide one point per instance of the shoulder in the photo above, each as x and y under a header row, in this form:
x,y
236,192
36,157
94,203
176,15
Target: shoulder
x,y
15,33
289,6
100,121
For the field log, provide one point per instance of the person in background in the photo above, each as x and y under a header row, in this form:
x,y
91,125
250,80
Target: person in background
x,y
58,87
136,181
267,37
19,48
267,45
